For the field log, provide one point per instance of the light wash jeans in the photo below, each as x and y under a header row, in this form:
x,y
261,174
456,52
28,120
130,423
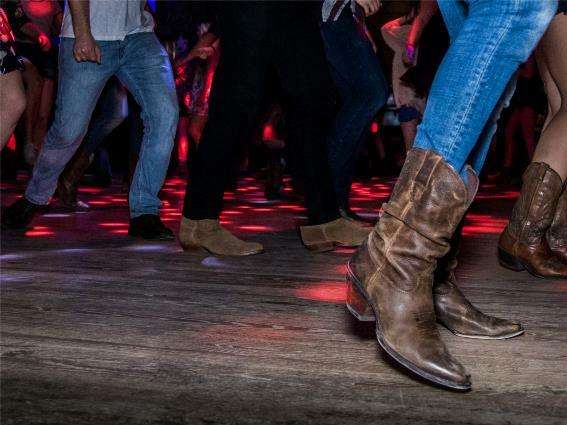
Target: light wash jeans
x,y
489,40
142,65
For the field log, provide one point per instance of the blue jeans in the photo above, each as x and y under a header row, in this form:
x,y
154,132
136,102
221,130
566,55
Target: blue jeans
x,y
142,65
111,111
364,90
489,40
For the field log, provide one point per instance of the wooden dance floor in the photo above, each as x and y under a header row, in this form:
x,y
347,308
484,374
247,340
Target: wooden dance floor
x,y
99,328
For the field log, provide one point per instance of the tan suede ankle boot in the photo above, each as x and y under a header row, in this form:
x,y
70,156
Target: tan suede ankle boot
x,y
342,232
210,235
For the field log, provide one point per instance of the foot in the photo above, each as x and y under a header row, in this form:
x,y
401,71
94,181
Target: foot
x,y
457,314
150,227
67,194
20,214
211,236
343,232
349,214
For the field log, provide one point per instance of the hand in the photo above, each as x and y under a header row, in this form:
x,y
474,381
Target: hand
x,y
370,7
409,56
44,42
86,49
201,52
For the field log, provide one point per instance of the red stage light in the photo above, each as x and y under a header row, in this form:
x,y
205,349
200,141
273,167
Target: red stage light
x,y
269,132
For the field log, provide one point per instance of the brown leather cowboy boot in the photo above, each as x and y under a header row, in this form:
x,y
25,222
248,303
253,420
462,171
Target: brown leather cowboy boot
x,y
68,184
393,270
522,245
452,309
455,312
557,233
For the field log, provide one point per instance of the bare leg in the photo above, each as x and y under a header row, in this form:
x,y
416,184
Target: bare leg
x,y
33,83
43,112
552,147
409,130
12,104
527,123
509,138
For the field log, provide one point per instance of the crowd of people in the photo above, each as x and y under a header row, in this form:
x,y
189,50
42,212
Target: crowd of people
x,y
208,71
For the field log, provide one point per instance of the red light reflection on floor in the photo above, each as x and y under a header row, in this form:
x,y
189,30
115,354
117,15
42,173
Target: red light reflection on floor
x,y
39,231
255,228
476,224
329,292
113,224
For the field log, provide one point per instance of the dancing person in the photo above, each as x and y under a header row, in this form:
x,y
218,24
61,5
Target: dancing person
x,y
102,38
392,277
110,112
35,45
357,73
255,35
12,95
535,239
404,37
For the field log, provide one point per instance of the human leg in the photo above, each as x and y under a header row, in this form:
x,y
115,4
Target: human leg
x,y
12,104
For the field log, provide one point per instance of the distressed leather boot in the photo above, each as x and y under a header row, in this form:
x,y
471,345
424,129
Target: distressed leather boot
x,y
393,270
342,232
455,312
68,184
211,236
522,244
557,233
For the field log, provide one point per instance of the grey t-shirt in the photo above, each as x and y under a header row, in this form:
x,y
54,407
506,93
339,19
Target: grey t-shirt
x,y
113,19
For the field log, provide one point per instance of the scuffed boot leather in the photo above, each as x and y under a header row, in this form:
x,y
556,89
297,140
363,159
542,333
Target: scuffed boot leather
x,y
455,312
522,244
557,233
324,237
68,184
393,270
210,235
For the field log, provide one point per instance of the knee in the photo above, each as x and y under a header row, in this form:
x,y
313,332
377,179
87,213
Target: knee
x,y
163,116
535,17
372,95
377,96
63,135
17,103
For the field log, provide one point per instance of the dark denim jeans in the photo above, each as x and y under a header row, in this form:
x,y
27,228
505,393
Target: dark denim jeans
x,y
363,88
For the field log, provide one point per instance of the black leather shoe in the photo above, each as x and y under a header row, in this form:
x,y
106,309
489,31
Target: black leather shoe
x,y
149,226
20,214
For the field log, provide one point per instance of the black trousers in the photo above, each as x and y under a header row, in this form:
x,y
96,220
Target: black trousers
x,y
254,36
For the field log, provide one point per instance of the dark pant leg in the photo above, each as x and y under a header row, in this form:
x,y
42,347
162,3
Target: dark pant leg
x,y
304,73
364,90
235,98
